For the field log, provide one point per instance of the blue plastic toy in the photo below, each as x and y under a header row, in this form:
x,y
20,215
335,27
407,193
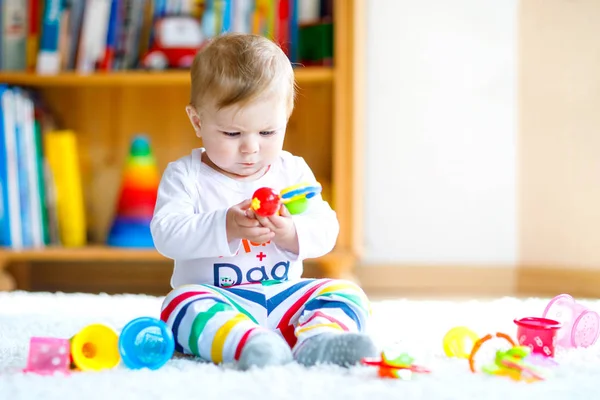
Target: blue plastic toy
x,y
146,342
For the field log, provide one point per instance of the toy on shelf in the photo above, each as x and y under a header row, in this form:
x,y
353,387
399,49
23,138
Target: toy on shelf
x,y
539,334
146,342
400,367
137,198
48,356
459,341
94,348
266,201
175,43
580,325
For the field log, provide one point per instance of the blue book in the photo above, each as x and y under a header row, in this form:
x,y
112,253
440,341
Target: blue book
x,y
226,11
10,221
48,61
23,166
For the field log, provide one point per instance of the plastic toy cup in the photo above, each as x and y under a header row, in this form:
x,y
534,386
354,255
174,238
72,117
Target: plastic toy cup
x,y
94,348
146,342
538,333
580,325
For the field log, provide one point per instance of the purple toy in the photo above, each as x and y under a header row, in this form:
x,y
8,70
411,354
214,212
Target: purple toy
x,y
580,325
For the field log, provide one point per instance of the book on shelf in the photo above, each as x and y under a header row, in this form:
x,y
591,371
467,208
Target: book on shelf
x,y
85,36
41,195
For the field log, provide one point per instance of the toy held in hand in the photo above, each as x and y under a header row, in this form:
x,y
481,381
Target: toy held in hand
x,y
296,197
265,202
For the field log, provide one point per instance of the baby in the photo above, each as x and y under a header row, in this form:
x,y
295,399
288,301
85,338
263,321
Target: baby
x,y
238,293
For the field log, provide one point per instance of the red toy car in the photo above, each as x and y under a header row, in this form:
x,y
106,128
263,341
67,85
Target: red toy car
x,y
176,41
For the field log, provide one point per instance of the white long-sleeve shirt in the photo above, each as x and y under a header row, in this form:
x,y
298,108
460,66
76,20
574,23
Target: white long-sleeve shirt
x,y
188,225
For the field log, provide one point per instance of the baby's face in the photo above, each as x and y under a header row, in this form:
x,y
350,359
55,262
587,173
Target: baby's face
x,y
242,141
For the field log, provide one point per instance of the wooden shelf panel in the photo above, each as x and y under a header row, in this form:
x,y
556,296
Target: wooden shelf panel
x,y
137,78
88,253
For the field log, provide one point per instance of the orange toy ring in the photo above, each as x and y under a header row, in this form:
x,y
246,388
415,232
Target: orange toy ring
x,y
484,339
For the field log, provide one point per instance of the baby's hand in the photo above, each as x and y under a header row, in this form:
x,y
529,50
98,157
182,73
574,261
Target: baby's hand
x,y
240,225
282,225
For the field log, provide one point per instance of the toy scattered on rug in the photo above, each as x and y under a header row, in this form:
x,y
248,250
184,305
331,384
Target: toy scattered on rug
x,y
517,363
266,201
564,323
144,342
580,325
401,367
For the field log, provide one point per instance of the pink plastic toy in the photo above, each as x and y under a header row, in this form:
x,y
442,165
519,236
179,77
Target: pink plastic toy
x,y
48,355
580,325
538,333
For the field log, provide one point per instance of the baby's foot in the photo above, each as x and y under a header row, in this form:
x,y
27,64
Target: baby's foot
x,y
265,349
344,349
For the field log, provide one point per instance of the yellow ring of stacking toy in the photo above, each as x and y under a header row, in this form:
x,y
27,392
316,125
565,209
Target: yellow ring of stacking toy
x,y
455,342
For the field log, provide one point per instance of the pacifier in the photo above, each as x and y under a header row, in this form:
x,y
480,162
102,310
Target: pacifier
x,y
580,325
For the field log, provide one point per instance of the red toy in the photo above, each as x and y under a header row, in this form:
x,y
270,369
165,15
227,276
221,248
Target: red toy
x,y
176,41
391,368
538,333
265,202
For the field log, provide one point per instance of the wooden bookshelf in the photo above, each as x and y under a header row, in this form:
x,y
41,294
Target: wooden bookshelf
x,y
107,109
138,78
87,253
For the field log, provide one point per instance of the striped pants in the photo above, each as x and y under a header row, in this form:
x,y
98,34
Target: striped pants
x,y
214,323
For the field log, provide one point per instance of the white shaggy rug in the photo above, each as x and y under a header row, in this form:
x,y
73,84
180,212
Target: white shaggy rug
x,y
417,326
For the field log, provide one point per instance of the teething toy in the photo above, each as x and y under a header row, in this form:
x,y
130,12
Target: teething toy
x,y
400,367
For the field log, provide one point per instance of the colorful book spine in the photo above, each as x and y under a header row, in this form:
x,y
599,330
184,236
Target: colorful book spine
x,y
62,156
48,61
12,237
13,37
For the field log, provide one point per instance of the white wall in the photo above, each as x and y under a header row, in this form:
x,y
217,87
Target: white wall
x,y
441,132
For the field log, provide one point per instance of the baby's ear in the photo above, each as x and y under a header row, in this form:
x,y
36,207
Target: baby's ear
x,y
194,119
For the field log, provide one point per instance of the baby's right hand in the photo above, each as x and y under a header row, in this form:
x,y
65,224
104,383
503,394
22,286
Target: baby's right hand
x,y
242,225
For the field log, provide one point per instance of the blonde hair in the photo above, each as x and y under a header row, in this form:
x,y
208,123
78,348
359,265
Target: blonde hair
x,y
237,68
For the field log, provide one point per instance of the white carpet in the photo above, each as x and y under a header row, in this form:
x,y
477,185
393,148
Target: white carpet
x,y
419,325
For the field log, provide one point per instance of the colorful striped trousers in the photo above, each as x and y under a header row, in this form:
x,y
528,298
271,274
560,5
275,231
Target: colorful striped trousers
x,y
214,323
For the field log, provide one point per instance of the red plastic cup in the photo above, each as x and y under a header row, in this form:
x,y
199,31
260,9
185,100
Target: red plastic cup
x,y
539,334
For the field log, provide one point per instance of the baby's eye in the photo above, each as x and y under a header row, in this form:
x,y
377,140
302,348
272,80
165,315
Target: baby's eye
x,y
231,134
267,133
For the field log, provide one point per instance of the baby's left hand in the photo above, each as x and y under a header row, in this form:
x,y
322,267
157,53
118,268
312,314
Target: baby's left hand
x,y
282,225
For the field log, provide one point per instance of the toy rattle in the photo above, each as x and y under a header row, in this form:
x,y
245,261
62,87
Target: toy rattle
x,y
456,340
580,325
146,342
296,197
392,368
266,201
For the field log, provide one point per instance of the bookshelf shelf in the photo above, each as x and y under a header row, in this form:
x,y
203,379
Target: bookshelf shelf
x,y
138,78
87,253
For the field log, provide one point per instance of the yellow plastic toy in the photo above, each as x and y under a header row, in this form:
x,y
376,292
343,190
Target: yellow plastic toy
x,y
459,341
94,348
